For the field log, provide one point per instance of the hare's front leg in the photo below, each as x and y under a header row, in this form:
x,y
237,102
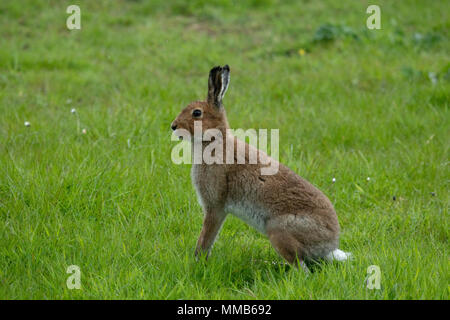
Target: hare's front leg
x,y
211,226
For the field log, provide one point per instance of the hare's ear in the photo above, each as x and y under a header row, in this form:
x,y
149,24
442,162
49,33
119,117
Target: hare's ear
x,y
219,78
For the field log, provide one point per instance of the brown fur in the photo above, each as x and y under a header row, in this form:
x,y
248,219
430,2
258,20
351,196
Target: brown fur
x,y
298,218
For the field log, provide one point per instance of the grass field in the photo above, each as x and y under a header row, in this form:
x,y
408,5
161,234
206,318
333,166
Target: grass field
x,y
350,103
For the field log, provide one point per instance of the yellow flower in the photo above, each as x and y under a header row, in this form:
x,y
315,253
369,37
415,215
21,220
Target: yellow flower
x,y
301,52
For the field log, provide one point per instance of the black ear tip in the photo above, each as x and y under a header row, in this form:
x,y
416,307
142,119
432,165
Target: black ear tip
x,y
215,69
226,67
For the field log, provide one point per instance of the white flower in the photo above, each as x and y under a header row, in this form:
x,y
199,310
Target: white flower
x,y
73,110
27,124
368,179
84,131
433,77
334,180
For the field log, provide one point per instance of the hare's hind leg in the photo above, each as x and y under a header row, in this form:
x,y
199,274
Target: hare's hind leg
x,y
287,246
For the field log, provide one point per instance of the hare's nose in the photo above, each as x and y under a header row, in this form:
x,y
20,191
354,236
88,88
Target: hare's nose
x,y
173,126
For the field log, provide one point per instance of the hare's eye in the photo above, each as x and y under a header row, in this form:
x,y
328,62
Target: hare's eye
x,y
197,113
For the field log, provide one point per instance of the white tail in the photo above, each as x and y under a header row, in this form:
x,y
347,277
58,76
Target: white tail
x,y
338,255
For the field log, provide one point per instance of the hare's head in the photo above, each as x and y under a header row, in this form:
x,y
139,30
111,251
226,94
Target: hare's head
x,y
211,112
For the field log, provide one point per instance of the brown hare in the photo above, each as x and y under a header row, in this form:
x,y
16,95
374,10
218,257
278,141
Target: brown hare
x,y
298,218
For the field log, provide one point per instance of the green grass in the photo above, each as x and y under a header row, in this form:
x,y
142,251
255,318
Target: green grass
x,y
359,103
